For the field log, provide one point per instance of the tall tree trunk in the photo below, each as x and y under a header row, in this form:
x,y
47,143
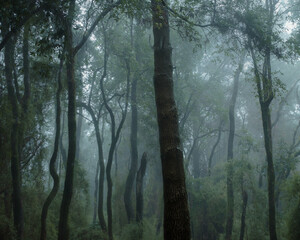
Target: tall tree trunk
x,y
101,178
139,188
100,163
243,217
134,153
230,196
176,212
214,147
52,165
15,160
115,134
96,193
63,228
266,118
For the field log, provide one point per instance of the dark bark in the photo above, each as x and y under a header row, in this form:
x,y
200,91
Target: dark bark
x,y
243,217
134,154
266,94
61,145
230,196
266,118
100,162
15,160
176,212
214,147
63,228
139,188
52,164
115,134
96,193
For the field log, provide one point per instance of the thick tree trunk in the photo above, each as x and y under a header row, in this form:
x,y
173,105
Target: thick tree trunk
x,y
139,188
134,153
15,160
176,212
63,228
230,196
52,164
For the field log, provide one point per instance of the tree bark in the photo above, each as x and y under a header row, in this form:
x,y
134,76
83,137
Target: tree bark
x,y
96,193
52,163
230,196
243,218
214,147
115,134
176,212
139,188
134,153
15,160
63,228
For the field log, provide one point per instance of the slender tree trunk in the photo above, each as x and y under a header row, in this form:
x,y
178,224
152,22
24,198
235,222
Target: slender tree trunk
x,y
101,180
96,193
230,196
134,153
266,118
214,147
100,186
139,188
243,218
52,164
115,134
176,212
15,160
63,228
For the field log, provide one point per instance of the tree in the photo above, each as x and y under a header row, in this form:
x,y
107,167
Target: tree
x,y
230,196
52,164
176,212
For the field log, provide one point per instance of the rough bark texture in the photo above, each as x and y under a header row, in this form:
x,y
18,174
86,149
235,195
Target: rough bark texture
x,y
134,154
176,212
52,164
139,188
15,160
230,196
63,228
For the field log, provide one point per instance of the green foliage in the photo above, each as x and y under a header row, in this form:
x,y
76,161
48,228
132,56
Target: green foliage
x,y
292,203
145,230
89,233
7,231
208,201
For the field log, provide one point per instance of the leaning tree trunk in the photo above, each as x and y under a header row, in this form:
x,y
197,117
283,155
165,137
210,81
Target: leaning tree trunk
x,y
52,164
15,160
230,196
176,212
139,188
